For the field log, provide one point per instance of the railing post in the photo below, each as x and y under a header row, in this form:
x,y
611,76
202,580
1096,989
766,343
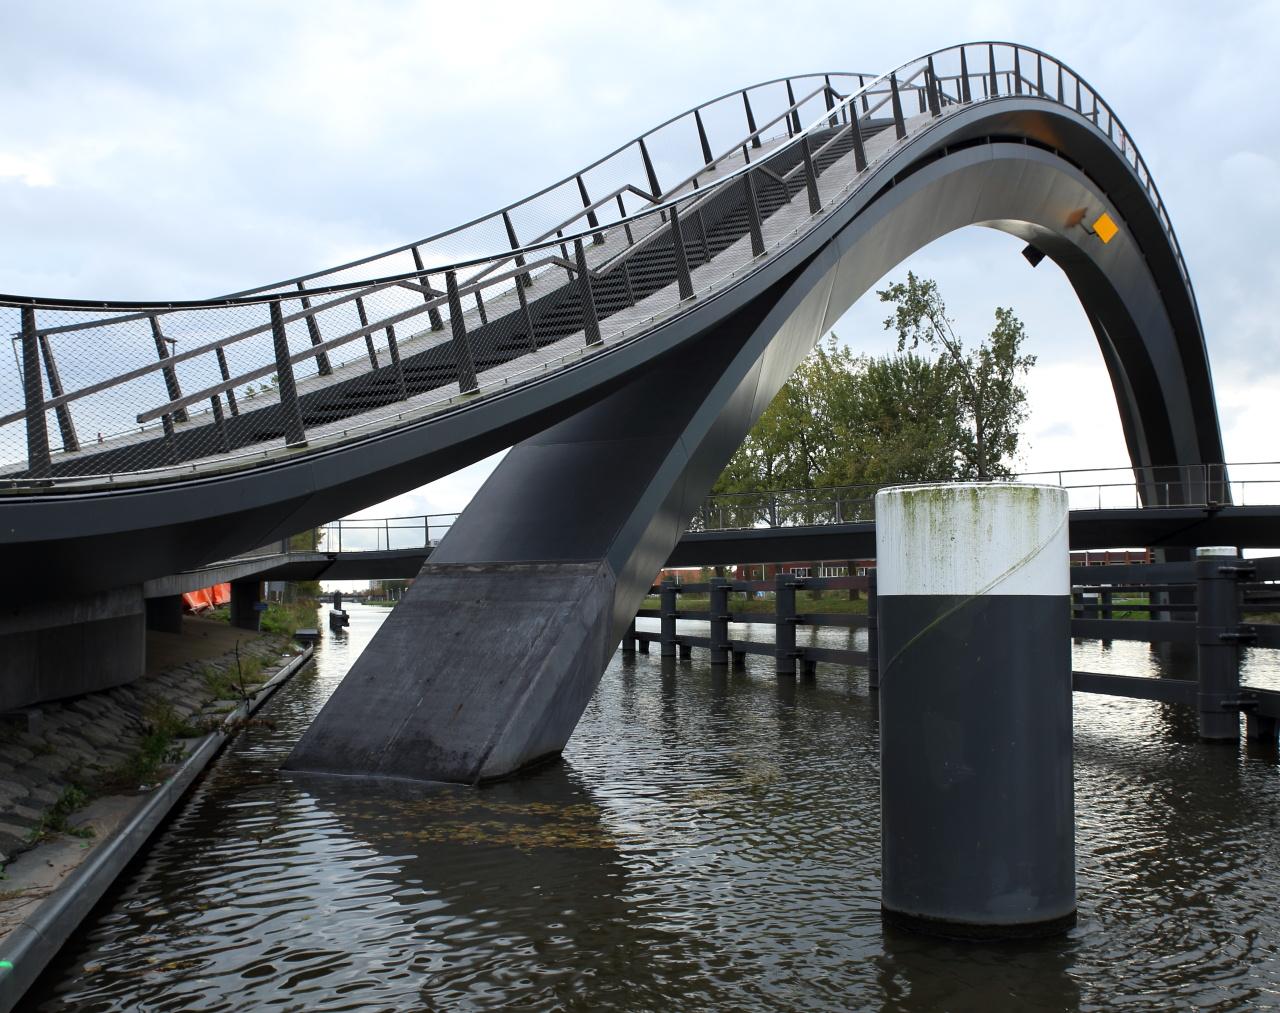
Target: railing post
x,y
751,120
667,605
873,632
226,375
530,330
170,377
754,221
38,462
966,95
368,338
433,314
784,624
707,157
1017,72
393,348
832,120
523,279
684,279
294,435
313,332
461,346
65,426
899,124
793,117
810,176
590,322
655,189
991,60
931,87
719,604
219,424
1217,642
596,237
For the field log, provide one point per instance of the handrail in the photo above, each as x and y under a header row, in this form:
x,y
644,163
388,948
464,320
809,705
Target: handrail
x,y
516,266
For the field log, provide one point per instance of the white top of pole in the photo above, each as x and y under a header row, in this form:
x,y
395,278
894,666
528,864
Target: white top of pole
x,y
972,538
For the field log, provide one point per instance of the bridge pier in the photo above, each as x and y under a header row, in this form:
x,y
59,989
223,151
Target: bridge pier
x,y
978,837
245,596
164,614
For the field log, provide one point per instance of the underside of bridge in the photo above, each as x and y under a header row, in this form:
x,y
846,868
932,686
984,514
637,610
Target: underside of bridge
x,y
489,661
623,390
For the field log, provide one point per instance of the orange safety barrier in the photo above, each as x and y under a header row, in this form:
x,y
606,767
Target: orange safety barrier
x,y
206,598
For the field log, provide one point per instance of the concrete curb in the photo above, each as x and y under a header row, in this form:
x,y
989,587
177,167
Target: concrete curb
x,y
37,940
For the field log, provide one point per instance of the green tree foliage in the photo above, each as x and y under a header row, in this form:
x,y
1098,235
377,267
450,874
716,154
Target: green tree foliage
x,y
988,399
846,420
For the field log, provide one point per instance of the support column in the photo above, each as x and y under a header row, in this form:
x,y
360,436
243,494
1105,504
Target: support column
x,y
667,603
784,624
245,596
719,604
1217,650
978,836
164,615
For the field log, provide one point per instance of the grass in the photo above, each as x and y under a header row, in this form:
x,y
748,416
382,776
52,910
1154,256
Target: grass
x,y
158,748
806,602
233,683
285,618
54,820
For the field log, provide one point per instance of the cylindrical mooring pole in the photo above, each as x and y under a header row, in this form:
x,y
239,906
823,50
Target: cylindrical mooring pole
x,y
974,603
1217,650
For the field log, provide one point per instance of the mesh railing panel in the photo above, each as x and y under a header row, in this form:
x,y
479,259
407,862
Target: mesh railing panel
x,y
105,392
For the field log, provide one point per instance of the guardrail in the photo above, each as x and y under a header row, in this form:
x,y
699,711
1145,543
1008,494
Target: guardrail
x,y
1203,603
172,389
1208,485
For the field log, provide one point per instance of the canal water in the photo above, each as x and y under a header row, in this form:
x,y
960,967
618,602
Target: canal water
x,y
710,841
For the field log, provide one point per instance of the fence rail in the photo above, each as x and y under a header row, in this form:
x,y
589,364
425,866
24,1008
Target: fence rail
x,y
1210,594
173,389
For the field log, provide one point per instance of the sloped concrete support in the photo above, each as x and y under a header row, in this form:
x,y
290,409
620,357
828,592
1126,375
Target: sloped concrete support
x,y
54,650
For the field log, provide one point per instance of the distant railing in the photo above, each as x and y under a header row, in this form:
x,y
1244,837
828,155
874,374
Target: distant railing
x,y
1253,483
375,534
174,389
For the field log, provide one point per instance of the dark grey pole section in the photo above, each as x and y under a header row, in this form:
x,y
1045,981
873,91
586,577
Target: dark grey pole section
x,y
784,624
393,349
754,222
596,237
245,596
667,605
433,314
226,376
978,837
461,346
1217,647
751,121
707,157
525,280
219,424
170,377
931,87
655,189
590,322
65,426
323,366
810,176
294,435
965,94
683,278
899,124
33,394
793,118
368,338
719,605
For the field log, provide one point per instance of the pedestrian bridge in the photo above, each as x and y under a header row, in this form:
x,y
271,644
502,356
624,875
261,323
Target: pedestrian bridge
x,y
692,268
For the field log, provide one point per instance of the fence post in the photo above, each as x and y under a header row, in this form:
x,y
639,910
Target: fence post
x,y
899,124
1217,642
719,600
873,632
683,277
590,322
667,604
294,435
784,624
33,392
461,347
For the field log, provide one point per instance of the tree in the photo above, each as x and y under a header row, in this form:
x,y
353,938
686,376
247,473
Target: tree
x,y
988,397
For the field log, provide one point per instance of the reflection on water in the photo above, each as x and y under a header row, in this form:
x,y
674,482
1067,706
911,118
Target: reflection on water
x,y
711,840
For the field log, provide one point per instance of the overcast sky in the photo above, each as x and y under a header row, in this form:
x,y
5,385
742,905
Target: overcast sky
x,y
184,150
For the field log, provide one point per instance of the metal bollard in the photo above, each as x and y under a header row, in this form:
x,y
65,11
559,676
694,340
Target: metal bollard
x,y
978,837
784,624
719,622
1217,642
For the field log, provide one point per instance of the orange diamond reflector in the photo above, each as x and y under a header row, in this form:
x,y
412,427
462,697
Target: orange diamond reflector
x,y
1105,227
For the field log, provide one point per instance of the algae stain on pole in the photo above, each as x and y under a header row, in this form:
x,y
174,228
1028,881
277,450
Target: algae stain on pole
x,y
978,820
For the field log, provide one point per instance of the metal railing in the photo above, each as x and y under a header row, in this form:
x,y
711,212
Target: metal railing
x,y
373,534
175,389
1253,483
